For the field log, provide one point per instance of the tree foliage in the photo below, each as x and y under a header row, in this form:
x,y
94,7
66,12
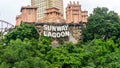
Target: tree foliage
x,y
35,54
24,50
23,31
102,23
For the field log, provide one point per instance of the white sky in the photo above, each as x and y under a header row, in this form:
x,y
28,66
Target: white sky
x,y
10,8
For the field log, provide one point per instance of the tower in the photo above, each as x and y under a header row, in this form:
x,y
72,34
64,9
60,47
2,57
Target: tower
x,y
75,14
42,5
52,15
28,14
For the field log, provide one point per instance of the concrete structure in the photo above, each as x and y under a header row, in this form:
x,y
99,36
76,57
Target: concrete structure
x,y
75,14
52,15
28,14
42,5
76,19
75,30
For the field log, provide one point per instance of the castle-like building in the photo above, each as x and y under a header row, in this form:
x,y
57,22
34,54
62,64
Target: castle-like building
x,y
28,14
74,14
42,5
53,18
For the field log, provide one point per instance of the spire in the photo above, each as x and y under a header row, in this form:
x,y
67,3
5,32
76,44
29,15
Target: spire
x,y
70,2
77,2
74,2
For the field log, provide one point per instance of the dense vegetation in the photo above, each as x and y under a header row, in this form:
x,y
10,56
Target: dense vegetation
x,y
102,24
24,31
23,48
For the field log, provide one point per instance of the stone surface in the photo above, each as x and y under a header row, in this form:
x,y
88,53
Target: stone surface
x,y
75,30
52,15
76,19
28,14
75,14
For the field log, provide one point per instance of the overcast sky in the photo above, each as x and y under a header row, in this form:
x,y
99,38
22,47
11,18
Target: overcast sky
x,y
10,8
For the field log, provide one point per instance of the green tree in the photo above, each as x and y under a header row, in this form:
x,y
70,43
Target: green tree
x,y
23,54
4,65
99,53
36,54
102,23
65,56
23,31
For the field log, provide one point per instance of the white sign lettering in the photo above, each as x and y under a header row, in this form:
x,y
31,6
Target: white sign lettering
x,y
56,31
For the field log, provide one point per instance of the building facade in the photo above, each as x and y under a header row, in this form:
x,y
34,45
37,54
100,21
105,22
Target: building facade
x,y
52,15
28,14
75,14
42,5
53,24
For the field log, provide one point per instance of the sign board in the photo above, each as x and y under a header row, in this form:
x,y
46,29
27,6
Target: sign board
x,y
56,31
